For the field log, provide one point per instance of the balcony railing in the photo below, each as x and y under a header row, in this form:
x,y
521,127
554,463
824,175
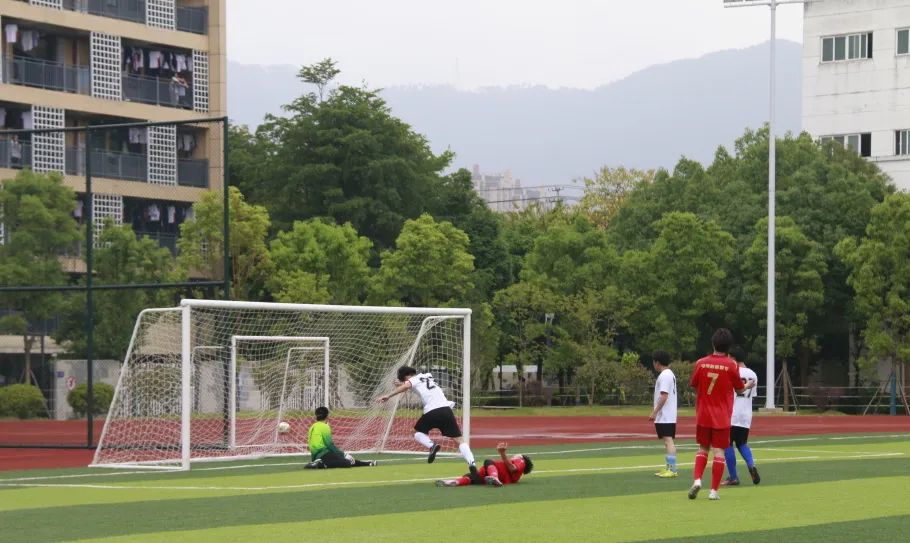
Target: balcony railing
x,y
160,92
44,74
189,19
15,155
193,172
193,19
164,239
133,167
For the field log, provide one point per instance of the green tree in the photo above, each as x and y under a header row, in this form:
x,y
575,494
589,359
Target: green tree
x,y
676,282
800,269
347,158
320,262
120,258
607,191
36,211
430,266
320,74
880,277
201,242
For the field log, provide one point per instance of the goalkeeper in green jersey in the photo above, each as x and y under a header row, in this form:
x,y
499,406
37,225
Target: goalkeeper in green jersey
x,y
323,452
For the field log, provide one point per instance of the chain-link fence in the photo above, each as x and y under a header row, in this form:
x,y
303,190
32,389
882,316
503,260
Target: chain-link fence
x,y
97,222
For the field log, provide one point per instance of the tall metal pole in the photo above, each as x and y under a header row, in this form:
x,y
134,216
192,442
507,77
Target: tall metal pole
x,y
89,300
772,188
226,252
772,219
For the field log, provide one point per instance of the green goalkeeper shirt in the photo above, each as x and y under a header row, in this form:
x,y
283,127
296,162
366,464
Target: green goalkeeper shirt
x,y
320,440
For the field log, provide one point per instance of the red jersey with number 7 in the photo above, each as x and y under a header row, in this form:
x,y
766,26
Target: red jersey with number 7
x,y
715,379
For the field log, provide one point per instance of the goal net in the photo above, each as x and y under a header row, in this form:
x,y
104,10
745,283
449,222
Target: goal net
x,y
212,380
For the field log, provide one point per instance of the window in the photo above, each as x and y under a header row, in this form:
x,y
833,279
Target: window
x,y
849,47
902,142
903,41
858,143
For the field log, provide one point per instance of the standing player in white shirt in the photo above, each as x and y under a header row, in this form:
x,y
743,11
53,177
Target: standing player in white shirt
x,y
741,422
664,413
437,413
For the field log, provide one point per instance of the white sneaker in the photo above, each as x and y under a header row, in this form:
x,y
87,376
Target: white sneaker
x,y
713,495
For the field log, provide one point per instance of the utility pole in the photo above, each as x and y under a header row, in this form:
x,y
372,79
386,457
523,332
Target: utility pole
x,y
772,189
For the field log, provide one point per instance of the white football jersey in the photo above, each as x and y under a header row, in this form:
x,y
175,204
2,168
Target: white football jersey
x,y
666,382
742,405
431,394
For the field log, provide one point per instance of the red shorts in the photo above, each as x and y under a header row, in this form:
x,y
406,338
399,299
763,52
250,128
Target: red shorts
x,y
719,438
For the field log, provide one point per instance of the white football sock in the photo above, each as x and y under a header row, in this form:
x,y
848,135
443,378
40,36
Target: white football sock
x,y
466,453
424,439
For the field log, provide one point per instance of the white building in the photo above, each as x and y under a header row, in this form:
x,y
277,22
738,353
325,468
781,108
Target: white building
x,y
856,79
501,191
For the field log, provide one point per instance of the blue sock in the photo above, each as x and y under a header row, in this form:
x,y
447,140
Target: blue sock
x,y
747,454
671,462
730,456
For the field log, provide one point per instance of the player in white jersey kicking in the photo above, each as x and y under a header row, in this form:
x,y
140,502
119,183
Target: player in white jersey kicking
x,y
437,413
741,422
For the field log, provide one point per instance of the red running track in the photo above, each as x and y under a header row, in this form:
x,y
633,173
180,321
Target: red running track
x,y
486,432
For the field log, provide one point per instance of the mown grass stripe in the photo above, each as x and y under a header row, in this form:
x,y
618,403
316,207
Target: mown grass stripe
x,y
635,518
882,529
146,517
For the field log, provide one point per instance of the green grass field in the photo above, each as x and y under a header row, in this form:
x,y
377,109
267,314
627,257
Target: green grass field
x,y
825,489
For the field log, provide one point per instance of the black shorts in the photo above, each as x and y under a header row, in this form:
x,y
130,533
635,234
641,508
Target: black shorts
x,y
441,418
738,436
665,429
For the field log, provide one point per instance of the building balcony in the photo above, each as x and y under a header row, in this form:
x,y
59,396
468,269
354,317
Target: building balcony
x,y
15,155
165,240
49,75
107,164
156,91
193,19
188,19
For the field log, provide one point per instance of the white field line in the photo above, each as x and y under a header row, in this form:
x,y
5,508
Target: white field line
x,y
655,446
402,481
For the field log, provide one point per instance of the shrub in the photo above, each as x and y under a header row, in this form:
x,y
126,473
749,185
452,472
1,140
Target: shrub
x,y
102,394
22,401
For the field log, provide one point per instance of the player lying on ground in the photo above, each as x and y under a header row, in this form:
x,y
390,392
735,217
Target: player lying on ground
x,y
323,452
500,472
741,422
437,413
715,378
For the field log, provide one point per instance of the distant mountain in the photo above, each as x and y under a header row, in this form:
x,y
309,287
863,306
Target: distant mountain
x,y
543,135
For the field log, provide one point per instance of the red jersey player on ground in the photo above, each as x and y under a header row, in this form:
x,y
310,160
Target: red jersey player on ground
x,y
715,378
495,472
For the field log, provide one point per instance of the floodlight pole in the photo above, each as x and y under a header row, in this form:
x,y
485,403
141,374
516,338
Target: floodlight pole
x,y
772,190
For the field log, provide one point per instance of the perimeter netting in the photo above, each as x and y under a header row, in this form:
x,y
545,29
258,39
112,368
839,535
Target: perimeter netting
x,y
252,366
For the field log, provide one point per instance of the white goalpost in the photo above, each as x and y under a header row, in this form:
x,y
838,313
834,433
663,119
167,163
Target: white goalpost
x,y
212,380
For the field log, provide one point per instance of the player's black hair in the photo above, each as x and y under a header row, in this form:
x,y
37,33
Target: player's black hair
x,y
722,340
322,413
406,371
738,354
661,357
529,466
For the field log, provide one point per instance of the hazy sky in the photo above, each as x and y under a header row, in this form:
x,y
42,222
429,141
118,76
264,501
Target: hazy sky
x,y
471,43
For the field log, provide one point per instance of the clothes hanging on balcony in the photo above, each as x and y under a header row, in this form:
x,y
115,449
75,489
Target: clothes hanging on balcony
x,y
154,213
3,117
171,214
12,33
77,212
138,136
15,150
27,123
29,40
182,65
186,142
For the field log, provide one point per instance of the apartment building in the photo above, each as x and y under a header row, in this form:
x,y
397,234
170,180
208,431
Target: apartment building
x,y
73,63
856,79
502,192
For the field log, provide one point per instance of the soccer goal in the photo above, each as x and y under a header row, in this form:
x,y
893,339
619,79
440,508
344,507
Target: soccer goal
x,y
212,380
